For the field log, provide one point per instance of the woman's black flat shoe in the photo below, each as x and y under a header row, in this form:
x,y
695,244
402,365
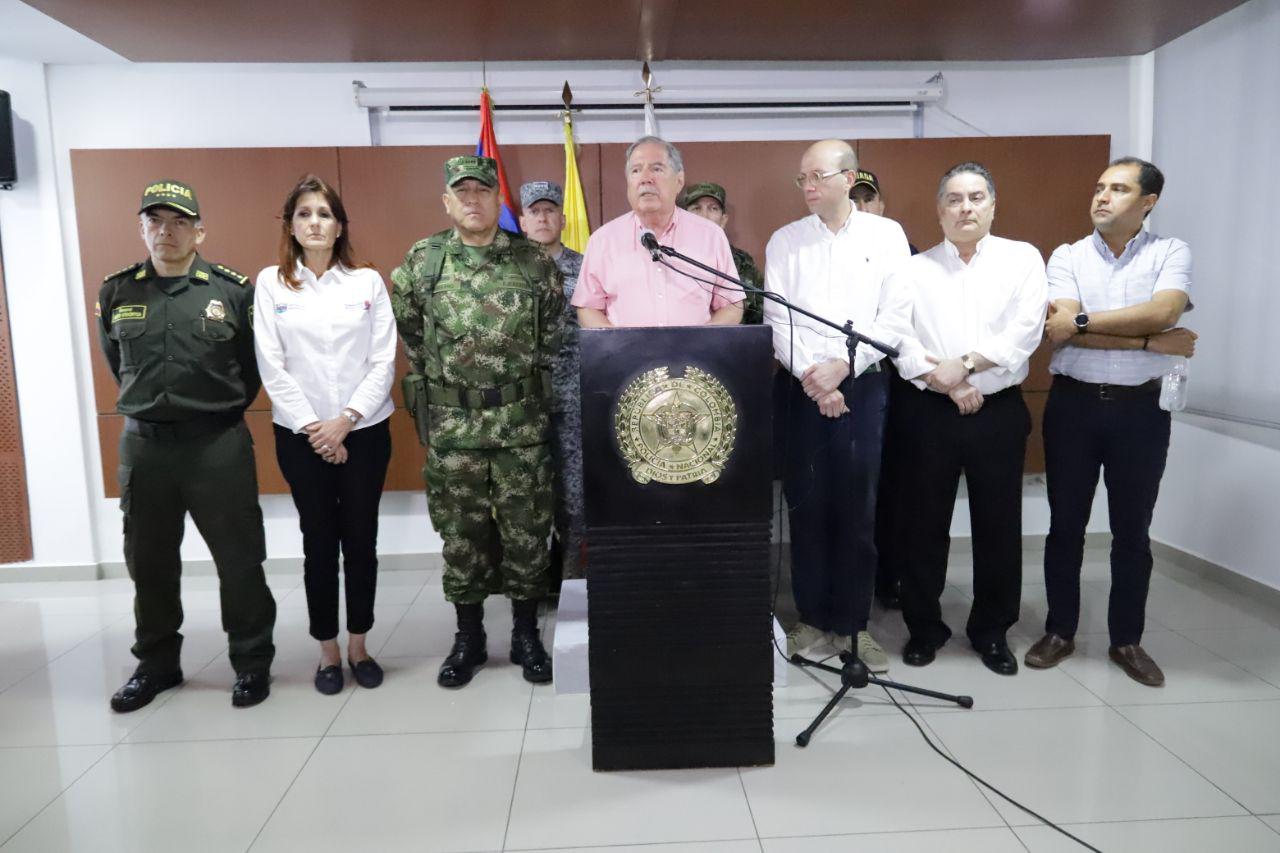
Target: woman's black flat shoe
x,y
329,679
367,672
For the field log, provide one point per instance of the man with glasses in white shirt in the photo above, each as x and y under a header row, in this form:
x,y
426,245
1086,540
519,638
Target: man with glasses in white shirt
x,y
1117,297
978,306
834,264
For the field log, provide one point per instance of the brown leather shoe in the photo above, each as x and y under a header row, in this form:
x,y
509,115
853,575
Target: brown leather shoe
x,y
1138,665
1049,650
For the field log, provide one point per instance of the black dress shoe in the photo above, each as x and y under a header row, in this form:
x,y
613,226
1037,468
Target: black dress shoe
x,y
367,672
251,688
467,655
141,688
919,652
528,651
329,679
997,657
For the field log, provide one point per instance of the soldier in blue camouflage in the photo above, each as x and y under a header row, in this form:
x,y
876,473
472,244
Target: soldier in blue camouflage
x,y
479,310
707,200
542,220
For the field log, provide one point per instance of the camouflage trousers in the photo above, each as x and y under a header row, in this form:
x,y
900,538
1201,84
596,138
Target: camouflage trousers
x,y
493,510
566,451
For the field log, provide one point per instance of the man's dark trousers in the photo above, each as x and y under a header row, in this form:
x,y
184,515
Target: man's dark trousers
x,y
989,446
1124,434
166,472
831,474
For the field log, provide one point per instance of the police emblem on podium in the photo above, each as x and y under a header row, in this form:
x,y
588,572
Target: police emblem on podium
x,y
677,438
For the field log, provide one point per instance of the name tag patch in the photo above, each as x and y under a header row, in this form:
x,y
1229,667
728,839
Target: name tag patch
x,y
128,312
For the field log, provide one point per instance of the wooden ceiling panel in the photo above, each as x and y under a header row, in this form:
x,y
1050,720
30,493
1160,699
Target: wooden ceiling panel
x,y
562,30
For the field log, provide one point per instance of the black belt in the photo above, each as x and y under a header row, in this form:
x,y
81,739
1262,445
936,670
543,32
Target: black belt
x,y
1105,391
197,426
1010,391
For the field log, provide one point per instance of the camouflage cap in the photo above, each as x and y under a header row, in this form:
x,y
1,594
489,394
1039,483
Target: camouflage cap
x,y
703,190
483,169
867,179
541,191
172,194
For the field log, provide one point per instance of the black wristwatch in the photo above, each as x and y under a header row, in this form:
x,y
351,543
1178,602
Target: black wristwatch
x,y
1082,322
969,364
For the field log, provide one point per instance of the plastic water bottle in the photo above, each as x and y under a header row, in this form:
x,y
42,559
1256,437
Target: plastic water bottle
x,y
1173,389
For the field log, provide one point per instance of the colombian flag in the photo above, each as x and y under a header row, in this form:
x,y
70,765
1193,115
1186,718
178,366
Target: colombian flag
x,y
576,230
488,147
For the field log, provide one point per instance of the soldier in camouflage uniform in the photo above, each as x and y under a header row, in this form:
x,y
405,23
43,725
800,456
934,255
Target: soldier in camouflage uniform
x,y
707,201
542,220
479,310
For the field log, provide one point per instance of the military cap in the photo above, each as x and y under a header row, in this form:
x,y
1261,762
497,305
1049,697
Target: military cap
x,y
483,169
535,191
703,190
867,179
172,194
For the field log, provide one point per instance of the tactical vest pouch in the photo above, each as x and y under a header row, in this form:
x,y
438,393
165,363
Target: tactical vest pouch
x,y
414,387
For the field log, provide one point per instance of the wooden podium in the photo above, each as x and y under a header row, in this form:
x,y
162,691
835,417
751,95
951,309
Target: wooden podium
x,y
677,439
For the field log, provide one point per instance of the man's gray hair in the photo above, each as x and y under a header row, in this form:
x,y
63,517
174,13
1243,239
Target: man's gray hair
x,y
967,168
673,153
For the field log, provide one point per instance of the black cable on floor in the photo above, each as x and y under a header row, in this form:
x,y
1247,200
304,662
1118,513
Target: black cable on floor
x,y
983,782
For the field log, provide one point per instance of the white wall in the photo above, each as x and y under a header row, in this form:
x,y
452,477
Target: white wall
x,y
44,317
108,106
1217,92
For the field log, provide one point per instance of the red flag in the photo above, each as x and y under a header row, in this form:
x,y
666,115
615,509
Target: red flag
x,y
488,147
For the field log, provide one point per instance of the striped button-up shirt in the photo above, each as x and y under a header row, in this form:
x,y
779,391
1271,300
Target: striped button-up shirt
x,y
1088,272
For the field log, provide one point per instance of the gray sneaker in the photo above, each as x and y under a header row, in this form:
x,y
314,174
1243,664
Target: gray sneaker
x,y
870,653
802,638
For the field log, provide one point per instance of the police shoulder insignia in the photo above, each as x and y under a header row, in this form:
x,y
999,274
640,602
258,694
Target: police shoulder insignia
x,y
230,274
118,273
676,429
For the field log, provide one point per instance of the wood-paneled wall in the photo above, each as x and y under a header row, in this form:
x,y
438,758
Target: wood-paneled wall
x,y
393,198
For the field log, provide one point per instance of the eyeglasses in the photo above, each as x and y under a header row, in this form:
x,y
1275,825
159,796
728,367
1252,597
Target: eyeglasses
x,y
816,178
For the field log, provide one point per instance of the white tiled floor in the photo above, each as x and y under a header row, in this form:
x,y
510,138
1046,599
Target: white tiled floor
x,y
506,766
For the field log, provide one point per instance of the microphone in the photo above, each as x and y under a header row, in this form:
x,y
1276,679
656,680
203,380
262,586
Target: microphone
x,y
650,242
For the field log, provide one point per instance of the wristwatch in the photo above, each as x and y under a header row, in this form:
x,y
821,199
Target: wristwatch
x,y
969,365
1082,322
351,416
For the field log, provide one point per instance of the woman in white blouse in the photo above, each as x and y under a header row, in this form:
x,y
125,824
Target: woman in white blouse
x,y
326,344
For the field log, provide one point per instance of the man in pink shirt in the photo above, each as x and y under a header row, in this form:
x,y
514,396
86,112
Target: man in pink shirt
x,y
621,285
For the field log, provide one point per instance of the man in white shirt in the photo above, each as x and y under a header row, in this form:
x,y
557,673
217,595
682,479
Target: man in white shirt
x,y
832,263
1117,297
977,312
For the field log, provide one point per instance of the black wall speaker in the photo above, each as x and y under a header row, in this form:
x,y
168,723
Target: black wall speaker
x,y
8,164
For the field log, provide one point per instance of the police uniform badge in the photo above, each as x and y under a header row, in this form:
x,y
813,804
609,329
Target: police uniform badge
x,y
676,429
215,311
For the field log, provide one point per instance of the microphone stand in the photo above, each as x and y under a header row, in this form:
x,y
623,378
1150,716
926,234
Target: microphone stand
x,y
854,672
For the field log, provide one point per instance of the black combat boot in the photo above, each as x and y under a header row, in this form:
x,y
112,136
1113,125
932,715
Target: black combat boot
x,y
526,646
468,652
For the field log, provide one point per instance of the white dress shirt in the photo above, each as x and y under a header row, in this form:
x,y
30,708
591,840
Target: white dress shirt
x,y
839,276
1089,273
327,347
994,305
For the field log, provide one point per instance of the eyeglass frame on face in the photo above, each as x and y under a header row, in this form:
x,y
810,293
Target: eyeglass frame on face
x,y
816,178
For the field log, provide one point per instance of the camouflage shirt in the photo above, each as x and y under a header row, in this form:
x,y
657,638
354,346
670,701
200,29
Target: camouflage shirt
x,y
564,375
752,303
477,329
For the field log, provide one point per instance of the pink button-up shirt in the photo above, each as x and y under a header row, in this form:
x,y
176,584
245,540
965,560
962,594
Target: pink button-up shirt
x,y
620,278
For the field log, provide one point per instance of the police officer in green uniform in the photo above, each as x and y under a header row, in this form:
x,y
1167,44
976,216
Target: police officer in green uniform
x,y
480,312
707,200
177,333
